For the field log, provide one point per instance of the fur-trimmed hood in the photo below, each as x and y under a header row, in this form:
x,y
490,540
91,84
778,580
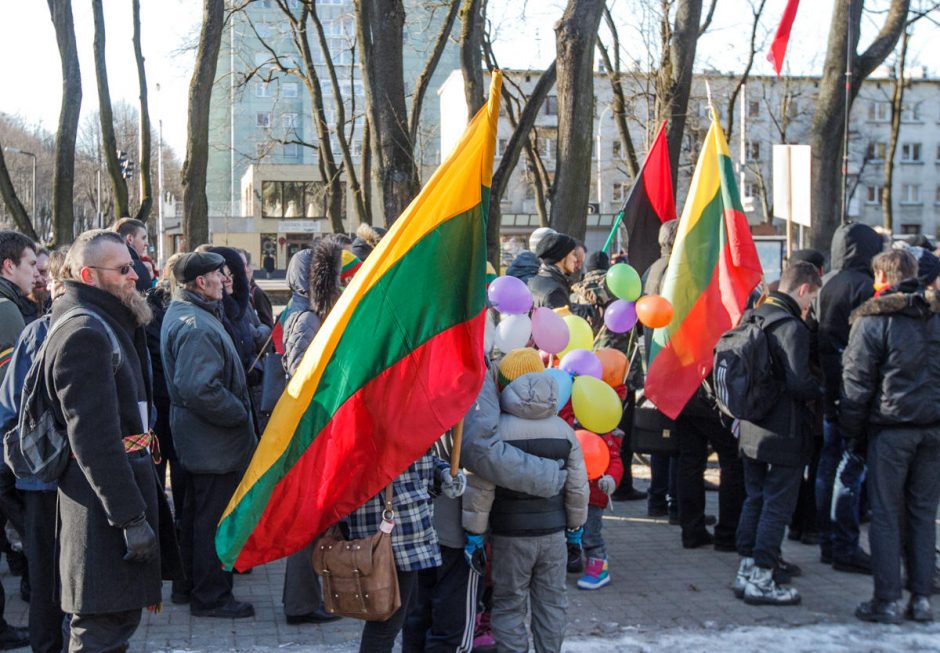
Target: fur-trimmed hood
x,y
919,304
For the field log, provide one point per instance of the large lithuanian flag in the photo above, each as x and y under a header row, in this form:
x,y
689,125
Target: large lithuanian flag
x,y
712,270
398,361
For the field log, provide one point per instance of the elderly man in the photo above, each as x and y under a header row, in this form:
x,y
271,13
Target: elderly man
x,y
213,432
110,503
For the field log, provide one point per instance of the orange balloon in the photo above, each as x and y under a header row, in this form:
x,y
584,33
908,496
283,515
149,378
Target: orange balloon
x,y
615,365
596,453
654,311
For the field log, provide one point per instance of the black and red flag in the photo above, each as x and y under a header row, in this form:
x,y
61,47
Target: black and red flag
x,y
778,49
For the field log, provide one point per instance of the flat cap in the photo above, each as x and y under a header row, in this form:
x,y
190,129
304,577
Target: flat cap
x,y
195,264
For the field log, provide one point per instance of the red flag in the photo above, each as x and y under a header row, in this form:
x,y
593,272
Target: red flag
x,y
650,204
778,49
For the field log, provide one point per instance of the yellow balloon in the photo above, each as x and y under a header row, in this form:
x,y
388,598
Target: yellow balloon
x,y
595,404
581,335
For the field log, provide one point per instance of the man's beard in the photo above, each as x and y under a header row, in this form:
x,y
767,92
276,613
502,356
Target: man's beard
x,y
134,301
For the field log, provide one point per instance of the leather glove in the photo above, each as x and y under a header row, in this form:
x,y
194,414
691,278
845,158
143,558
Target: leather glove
x,y
606,484
573,535
475,553
140,540
453,486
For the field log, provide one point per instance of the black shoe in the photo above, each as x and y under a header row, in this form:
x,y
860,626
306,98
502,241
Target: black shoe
x,y
882,612
657,512
12,637
180,598
786,572
810,538
575,559
231,610
825,557
673,517
857,563
318,616
725,547
918,609
795,535
710,520
703,539
628,494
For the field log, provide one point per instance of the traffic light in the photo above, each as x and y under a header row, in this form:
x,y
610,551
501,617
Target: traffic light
x,y
127,166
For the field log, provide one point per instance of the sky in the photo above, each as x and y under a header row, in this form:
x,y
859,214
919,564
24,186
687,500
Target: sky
x,y
524,38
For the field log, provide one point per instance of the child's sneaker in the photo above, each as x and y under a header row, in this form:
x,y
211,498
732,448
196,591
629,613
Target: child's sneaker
x,y
744,573
575,561
483,641
595,575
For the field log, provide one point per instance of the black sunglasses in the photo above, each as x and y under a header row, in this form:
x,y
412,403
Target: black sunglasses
x,y
124,270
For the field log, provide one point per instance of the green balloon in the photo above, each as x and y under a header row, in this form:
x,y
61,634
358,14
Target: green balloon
x,y
624,282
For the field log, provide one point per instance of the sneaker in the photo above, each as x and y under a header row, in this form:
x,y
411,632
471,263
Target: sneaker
x,y
575,561
878,611
761,589
740,579
595,575
858,562
483,641
918,609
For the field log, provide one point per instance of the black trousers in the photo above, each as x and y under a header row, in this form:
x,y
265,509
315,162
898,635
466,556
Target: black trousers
x,y
695,434
441,618
45,615
379,636
103,633
207,496
805,518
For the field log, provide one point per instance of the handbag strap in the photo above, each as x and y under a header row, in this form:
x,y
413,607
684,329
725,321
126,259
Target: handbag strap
x,y
389,512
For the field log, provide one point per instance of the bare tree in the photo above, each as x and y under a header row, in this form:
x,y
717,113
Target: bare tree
x,y
619,104
424,79
144,142
757,8
64,171
575,35
195,203
832,105
16,208
471,54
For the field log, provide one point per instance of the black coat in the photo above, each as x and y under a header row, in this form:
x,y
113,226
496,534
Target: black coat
x,y
103,487
525,266
550,287
891,366
144,280
845,288
784,436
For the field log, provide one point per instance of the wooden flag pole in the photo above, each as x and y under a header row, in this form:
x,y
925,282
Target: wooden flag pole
x,y
455,450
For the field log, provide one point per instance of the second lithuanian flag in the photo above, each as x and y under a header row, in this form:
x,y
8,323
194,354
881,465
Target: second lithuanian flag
x,y
712,270
398,361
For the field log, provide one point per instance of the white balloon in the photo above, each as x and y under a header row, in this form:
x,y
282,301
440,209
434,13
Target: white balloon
x,y
513,332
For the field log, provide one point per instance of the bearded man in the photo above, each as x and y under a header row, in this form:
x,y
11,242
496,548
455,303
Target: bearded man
x,y
111,508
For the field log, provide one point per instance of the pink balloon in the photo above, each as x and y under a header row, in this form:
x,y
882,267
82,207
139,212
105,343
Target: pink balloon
x,y
582,363
509,295
549,331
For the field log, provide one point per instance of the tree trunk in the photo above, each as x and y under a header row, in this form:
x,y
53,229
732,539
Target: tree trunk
x,y
575,35
897,106
118,182
365,172
826,131
619,103
471,54
13,204
195,203
380,26
146,185
63,176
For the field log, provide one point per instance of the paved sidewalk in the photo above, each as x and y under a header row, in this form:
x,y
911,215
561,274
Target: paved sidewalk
x,y
661,598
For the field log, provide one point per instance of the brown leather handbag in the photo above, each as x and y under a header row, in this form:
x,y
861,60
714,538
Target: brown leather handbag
x,y
359,577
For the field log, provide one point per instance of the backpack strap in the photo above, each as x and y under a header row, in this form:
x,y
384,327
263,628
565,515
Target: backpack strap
x,y
117,357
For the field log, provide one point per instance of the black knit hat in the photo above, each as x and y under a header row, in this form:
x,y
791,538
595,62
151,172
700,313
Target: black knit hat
x,y
811,256
928,265
555,247
597,261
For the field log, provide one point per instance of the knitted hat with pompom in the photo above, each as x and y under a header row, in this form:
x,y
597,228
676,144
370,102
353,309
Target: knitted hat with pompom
x,y
518,362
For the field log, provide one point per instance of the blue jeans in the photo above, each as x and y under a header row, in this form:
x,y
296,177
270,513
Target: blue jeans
x,y
593,539
772,491
839,480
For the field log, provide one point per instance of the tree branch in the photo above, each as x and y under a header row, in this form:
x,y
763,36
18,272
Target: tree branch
x,y
144,145
421,85
884,43
17,210
708,18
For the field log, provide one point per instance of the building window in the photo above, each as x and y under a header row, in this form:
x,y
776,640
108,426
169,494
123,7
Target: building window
x,y
910,194
753,151
873,194
936,198
619,192
910,153
293,199
501,144
938,154
262,89
910,113
910,229
530,191
753,108
551,105
290,89
876,151
290,150
617,150
751,189
264,119
547,148
289,121
879,111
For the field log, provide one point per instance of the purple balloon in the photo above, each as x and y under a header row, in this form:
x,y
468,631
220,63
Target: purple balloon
x,y
510,295
549,331
620,316
582,362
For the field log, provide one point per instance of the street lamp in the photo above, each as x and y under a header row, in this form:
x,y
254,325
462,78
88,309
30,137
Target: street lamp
x,y
600,129
16,150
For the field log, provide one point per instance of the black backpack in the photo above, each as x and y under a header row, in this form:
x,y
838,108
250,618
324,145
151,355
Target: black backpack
x,y
38,445
746,386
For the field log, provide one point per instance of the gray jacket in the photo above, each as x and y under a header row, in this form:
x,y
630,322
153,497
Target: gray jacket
x,y
302,323
210,411
529,424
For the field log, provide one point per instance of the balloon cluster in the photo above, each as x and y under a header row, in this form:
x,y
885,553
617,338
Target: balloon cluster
x,y
652,310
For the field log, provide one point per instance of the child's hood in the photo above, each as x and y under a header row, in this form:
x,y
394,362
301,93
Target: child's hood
x,y
531,396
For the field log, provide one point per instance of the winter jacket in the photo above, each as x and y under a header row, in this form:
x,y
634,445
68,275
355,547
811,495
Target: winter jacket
x,y
16,311
104,488
528,421
144,280
845,288
784,436
614,470
210,411
891,366
262,305
656,274
158,299
301,324
550,287
525,266
238,316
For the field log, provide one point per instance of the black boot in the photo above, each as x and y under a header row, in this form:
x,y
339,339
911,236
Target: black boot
x,y
878,611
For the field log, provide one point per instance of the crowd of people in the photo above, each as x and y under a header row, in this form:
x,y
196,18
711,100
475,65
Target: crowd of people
x,y
156,378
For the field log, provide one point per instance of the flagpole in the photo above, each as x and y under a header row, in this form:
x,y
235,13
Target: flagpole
x,y
619,218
